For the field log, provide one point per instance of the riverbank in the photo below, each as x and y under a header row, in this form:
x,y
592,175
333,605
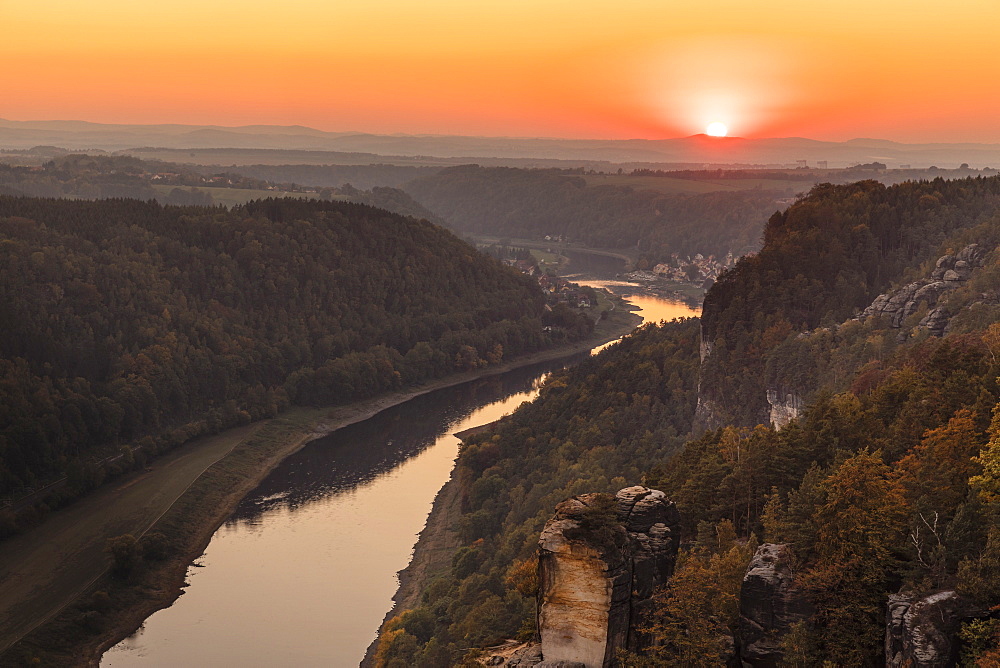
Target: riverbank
x,y
432,555
95,621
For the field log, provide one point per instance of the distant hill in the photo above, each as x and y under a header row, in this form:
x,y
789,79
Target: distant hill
x,y
533,203
696,150
127,323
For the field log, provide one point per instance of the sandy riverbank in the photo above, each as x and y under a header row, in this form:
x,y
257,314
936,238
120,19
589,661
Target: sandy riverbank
x,y
432,556
204,499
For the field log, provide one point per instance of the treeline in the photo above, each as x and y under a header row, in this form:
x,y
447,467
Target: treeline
x,y
825,258
128,323
596,427
83,176
363,176
533,203
734,174
78,177
890,486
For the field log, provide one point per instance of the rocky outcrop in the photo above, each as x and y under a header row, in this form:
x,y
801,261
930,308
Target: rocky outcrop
x,y
770,603
920,629
653,527
785,407
596,576
950,272
707,415
529,654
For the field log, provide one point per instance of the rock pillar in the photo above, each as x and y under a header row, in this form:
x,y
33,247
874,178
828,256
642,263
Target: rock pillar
x,y
599,561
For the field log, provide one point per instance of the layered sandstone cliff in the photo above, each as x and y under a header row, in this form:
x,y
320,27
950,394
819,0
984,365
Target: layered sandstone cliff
x,y
598,566
950,272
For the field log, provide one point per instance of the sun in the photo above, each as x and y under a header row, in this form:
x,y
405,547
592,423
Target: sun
x,y
716,129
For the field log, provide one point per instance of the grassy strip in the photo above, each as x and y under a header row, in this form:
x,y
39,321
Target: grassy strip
x,y
117,605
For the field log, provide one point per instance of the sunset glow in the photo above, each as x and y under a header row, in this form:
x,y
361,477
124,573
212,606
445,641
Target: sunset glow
x,y
717,129
650,70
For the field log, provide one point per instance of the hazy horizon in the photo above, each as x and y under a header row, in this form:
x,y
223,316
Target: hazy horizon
x,y
831,71
389,133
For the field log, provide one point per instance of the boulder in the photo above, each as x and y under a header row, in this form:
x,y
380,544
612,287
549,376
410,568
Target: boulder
x,y
529,655
770,603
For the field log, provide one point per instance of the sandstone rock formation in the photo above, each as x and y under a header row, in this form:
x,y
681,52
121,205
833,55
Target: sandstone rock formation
x,y
529,654
769,604
785,407
596,576
951,271
920,629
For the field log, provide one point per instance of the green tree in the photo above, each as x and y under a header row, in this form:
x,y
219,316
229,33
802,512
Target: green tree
x,y
860,527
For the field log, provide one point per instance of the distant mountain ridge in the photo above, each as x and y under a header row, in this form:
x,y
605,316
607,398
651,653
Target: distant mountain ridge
x,y
693,150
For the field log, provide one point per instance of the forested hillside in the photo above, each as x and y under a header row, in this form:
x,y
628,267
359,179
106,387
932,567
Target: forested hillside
x,y
533,203
127,323
596,426
890,486
888,482
824,259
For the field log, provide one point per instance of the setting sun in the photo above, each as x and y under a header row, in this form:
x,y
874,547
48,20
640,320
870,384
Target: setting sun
x,y
716,129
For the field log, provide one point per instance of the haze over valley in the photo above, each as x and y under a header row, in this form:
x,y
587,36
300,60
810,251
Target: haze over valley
x,y
512,334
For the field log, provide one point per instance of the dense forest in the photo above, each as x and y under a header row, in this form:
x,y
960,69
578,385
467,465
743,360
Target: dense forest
x,y
594,427
889,481
131,327
823,260
533,203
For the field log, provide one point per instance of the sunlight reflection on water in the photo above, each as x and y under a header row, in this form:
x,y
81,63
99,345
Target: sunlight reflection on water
x,y
304,570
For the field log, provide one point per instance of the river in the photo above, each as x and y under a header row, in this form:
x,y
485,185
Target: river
x,y
304,570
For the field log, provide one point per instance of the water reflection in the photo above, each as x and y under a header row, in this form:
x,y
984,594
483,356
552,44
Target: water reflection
x,y
304,570
360,453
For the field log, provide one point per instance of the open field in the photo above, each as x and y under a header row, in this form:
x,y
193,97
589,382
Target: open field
x,y
547,260
232,196
672,185
48,566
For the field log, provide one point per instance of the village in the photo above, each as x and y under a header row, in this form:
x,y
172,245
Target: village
x,y
699,271
557,289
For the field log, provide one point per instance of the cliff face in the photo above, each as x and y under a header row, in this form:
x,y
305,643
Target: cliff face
x,y
895,307
950,272
596,579
920,630
785,407
770,603
583,589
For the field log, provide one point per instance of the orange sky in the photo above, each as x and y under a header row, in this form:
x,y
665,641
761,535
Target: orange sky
x,y
913,70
